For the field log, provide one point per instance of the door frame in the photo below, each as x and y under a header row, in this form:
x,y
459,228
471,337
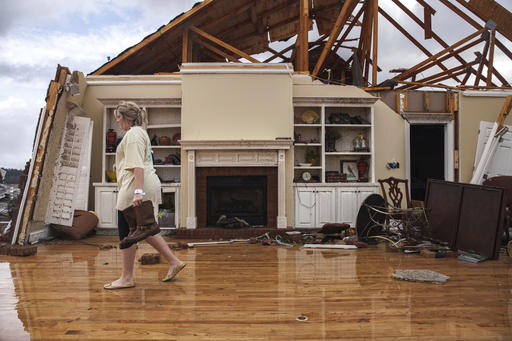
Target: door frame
x,y
446,120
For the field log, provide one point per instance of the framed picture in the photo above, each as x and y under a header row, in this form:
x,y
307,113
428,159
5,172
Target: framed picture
x,y
349,168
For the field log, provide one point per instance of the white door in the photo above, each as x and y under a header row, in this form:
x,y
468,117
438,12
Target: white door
x,y
347,205
70,187
105,201
325,206
501,161
305,202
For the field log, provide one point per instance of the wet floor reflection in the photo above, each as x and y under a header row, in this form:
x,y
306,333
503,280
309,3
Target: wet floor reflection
x,y
238,290
10,324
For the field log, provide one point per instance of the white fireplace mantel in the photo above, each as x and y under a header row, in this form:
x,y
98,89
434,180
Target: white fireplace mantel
x,y
236,153
235,144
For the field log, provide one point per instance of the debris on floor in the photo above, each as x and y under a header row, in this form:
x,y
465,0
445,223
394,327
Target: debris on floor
x,y
217,242
178,246
329,246
426,276
472,257
334,228
438,253
149,258
231,223
17,250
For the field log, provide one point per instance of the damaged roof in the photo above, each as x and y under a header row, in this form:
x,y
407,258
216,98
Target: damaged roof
x,y
235,31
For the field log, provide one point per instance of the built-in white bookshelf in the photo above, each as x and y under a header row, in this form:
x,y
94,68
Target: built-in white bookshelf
x,y
350,148
164,120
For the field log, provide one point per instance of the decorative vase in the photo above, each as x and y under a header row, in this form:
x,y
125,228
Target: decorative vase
x,y
111,140
362,169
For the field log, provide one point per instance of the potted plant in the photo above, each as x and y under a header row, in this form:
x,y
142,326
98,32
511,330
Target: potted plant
x,y
331,135
312,156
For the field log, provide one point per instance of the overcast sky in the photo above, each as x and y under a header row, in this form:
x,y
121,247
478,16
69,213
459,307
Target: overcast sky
x,y
36,35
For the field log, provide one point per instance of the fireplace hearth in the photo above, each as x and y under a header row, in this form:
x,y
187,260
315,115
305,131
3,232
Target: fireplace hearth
x,y
243,197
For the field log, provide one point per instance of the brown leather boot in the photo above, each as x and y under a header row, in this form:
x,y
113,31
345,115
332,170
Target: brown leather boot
x,y
146,224
129,216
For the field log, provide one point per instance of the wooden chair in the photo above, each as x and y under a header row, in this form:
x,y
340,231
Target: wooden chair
x,y
393,194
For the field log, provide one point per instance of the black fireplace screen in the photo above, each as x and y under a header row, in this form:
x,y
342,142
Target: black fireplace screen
x,y
243,197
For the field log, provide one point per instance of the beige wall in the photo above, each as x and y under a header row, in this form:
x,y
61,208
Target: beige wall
x,y
239,106
389,141
472,110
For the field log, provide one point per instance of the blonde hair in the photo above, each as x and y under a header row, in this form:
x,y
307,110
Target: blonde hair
x,y
133,113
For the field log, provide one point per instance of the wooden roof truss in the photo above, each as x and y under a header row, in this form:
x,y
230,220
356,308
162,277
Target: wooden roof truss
x,y
249,31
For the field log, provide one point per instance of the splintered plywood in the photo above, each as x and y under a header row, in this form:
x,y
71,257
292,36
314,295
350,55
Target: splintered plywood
x,y
284,23
71,177
326,13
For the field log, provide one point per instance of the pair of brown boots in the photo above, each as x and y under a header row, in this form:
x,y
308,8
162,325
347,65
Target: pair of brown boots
x,y
142,223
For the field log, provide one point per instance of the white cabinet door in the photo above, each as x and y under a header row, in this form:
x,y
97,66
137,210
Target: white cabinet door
x,y
347,205
305,202
325,206
105,206
362,194
349,200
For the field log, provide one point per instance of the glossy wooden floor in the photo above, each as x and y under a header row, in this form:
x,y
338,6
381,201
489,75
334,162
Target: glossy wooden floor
x,y
252,292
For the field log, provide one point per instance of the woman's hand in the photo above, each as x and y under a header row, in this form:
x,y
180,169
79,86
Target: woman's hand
x,y
138,174
137,199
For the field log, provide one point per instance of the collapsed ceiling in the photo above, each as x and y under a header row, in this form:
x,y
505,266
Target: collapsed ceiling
x,y
235,31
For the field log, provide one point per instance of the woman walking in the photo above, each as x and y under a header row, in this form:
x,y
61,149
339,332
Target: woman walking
x,y
138,197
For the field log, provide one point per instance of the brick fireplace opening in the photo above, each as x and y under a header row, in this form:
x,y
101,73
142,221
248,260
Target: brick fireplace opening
x,y
243,187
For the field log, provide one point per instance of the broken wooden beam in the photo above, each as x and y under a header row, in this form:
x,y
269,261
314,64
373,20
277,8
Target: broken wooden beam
x,y
348,30
413,40
451,48
495,72
151,38
428,85
481,64
345,12
434,78
223,44
217,51
302,39
491,10
491,58
475,25
375,40
422,25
